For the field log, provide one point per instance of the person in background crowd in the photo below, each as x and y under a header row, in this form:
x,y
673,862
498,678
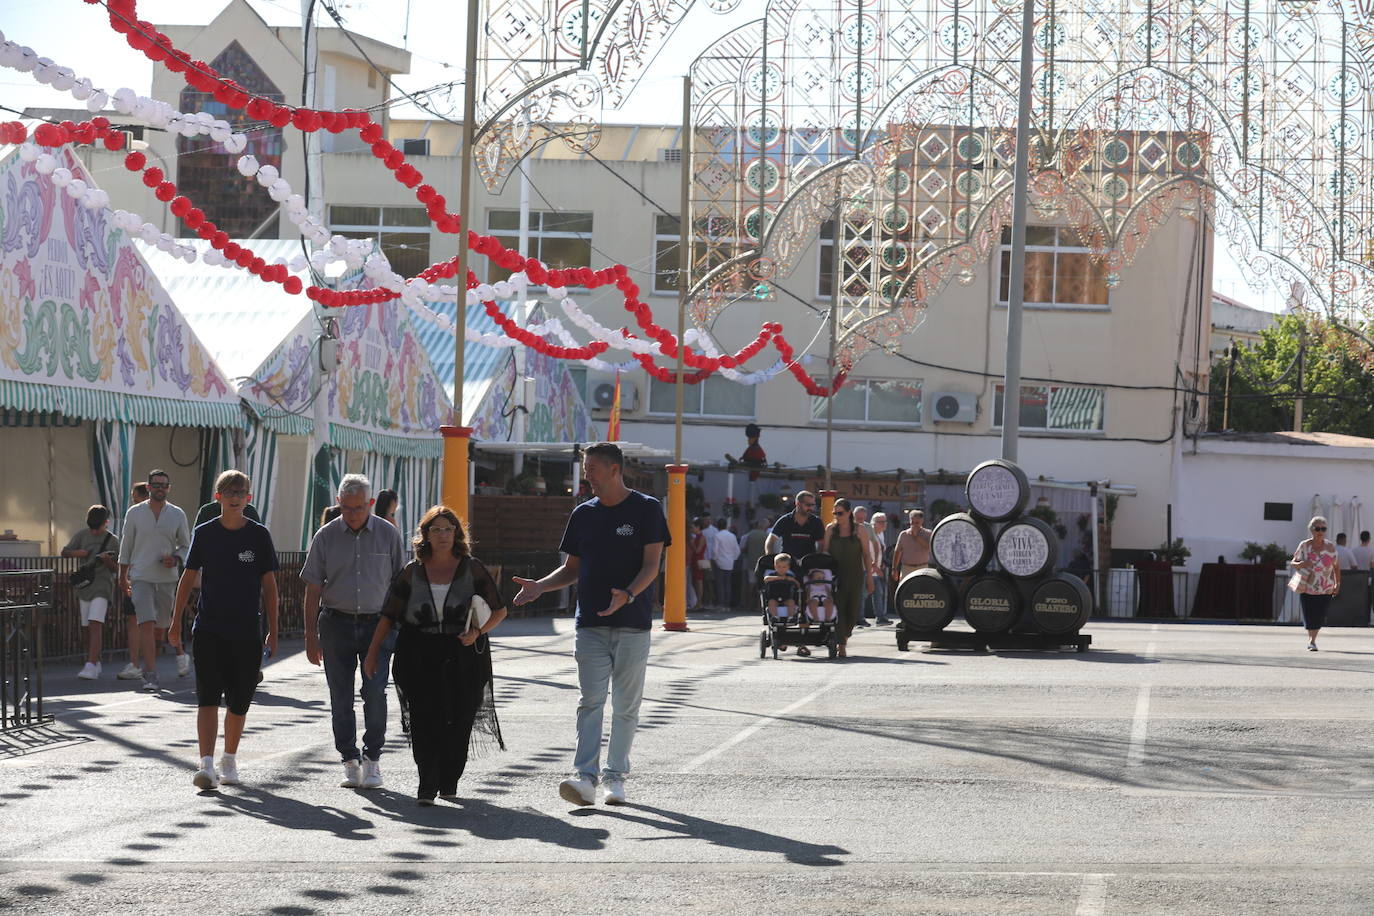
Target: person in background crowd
x,y
847,542
329,514
95,542
727,555
212,509
860,516
1320,567
234,562
1346,555
751,544
154,546
387,505
877,599
913,546
348,572
133,671
697,561
1364,554
614,545
442,663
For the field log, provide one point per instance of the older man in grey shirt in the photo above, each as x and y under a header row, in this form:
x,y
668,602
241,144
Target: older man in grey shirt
x,y
347,574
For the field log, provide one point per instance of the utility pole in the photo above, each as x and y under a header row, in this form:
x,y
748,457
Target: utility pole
x,y
1011,386
1297,402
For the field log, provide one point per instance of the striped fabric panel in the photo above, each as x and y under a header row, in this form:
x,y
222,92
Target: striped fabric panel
x,y
1076,408
259,462
112,460
88,404
358,440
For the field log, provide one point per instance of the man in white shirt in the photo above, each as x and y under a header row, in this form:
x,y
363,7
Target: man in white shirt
x,y
153,547
725,552
1343,553
1364,554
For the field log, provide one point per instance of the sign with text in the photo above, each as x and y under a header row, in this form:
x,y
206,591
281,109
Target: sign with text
x,y
870,489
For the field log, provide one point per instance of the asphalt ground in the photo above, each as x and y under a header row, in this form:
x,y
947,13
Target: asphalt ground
x,y
1172,769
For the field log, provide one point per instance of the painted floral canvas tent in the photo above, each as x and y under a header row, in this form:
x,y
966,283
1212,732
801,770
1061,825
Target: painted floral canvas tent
x,y
91,343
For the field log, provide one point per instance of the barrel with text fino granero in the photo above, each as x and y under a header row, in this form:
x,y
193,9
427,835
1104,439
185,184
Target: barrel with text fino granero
x,y
1061,604
926,600
992,603
960,545
1027,547
997,490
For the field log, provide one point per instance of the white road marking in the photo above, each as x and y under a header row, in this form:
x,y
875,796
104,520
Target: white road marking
x,y
747,733
1135,754
1092,899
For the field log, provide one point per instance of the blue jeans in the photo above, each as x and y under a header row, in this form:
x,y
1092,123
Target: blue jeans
x,y
344,642
614,657
875,603
725,579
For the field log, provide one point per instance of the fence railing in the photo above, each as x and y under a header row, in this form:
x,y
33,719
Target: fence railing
x,y
1253,594
25,598
59,625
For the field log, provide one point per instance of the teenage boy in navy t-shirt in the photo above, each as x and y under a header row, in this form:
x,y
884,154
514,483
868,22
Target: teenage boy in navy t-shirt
x,y
614,544
233,561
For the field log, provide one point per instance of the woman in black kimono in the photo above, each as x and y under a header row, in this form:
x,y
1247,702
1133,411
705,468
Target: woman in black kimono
x,y
444,602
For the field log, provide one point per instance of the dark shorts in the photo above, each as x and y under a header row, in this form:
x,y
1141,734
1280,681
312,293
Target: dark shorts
x,y
226,669
779,591
1314,610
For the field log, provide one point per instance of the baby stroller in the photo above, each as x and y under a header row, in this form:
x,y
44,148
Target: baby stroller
x,y
782,628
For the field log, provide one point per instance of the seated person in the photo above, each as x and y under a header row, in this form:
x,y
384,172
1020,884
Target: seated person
x,y
780,588
820,596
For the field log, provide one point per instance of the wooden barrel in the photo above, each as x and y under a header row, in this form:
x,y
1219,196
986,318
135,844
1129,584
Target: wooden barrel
x,y
997,490
1027,548
960,545
1061,604
992,603
926,600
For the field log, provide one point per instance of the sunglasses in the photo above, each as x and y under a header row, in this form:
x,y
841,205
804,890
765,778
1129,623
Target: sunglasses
x,y
1319,528
841,511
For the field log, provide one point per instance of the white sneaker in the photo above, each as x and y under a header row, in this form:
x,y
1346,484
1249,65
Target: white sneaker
x,y
183,665
228,770
206,778
615,791
90,671
131,672
372,774
353,775
579,790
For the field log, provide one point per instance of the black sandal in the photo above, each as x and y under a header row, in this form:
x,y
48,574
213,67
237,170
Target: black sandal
x,y
802,650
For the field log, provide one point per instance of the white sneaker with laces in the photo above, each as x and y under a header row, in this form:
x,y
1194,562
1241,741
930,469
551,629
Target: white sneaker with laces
x,y
615,791
579,789
228,770
372,774
206,778
183,665
130,672
353,775
90,671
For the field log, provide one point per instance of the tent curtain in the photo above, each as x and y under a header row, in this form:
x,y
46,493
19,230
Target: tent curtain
x,y
112,461
326,470
414,481
217,449
259,462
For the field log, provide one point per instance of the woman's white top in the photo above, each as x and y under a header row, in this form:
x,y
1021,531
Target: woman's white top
x,y
440,592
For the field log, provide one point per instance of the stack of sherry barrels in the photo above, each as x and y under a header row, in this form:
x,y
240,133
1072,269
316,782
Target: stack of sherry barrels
x,y
995,564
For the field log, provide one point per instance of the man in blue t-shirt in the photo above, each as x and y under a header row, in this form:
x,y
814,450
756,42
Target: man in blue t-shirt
x,y
614,543
799,532
233,560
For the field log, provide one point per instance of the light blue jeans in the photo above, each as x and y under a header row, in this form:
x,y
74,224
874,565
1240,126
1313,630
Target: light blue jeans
x,y
614,658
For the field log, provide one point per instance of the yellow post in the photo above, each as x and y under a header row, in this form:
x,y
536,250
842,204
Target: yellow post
x,y
454,491
675,576
828,506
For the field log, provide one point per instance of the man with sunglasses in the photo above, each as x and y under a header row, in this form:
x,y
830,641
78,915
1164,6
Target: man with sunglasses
x,y
799,532
155,539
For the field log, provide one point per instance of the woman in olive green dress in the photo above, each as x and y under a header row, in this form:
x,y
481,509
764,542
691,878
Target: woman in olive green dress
x,y
847,542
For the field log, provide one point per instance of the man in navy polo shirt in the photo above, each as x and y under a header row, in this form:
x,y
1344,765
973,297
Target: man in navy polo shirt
x,y
614,543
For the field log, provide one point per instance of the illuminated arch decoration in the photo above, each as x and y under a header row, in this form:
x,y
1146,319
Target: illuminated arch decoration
x,y
904,113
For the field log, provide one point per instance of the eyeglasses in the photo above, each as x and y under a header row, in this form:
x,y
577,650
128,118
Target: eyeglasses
x,y
1319,528
234,494
447,529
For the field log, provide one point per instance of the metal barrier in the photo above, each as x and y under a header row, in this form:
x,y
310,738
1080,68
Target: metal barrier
x,y
25,596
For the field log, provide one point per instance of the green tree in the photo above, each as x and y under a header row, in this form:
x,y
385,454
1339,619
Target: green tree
x,y
1337,382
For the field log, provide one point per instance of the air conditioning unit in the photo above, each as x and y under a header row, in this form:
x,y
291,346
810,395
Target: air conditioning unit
x,y
670,154
951,407
415,146
601,391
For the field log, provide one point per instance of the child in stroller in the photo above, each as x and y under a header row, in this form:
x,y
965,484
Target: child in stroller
x,y
781,594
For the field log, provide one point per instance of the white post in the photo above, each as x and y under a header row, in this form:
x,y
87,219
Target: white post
x,y
521,316
1011,386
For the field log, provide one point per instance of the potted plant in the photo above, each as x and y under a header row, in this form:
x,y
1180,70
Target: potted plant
x,y
1174,554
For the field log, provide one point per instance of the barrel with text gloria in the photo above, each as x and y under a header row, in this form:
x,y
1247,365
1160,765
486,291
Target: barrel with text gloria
x,y
960,545
1027,548
926,600
992,603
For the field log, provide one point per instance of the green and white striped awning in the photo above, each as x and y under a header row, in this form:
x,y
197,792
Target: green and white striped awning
x,y
1077,408
358,440
90,404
